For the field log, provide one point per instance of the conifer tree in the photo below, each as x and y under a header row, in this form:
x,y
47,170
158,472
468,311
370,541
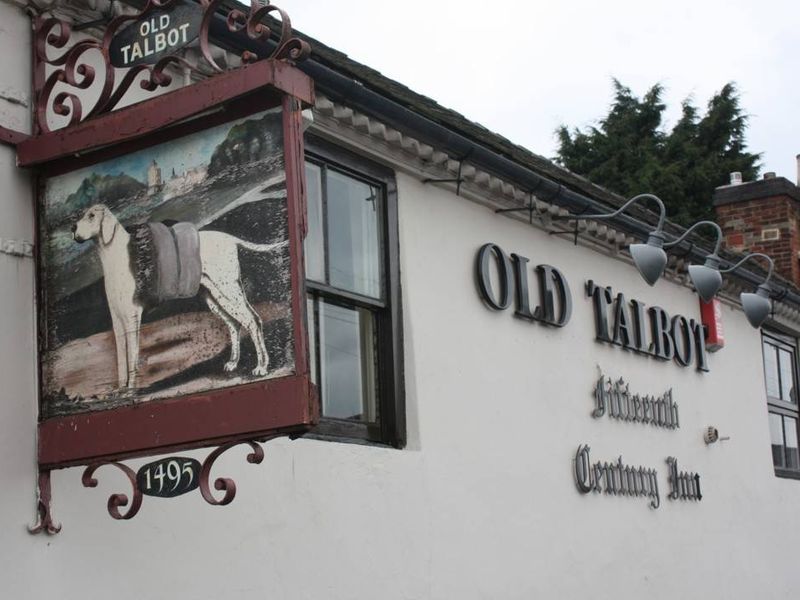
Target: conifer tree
x,y
629,152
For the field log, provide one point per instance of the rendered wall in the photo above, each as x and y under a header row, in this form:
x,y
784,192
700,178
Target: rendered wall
x,y
481,504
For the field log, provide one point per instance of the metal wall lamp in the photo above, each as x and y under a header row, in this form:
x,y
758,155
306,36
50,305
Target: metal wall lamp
x,y
706,278
758,305
649,258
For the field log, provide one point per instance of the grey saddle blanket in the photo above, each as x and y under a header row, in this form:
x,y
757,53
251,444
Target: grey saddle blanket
x,y
165,261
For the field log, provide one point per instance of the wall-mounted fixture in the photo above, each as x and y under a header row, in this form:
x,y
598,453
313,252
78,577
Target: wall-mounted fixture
x,y
757,306
711,435
706,278
649,257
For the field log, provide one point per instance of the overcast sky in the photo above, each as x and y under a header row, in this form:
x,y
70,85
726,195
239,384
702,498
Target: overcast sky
x,y
523,68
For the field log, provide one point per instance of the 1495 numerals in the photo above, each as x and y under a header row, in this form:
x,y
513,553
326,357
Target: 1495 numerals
x,y
169,477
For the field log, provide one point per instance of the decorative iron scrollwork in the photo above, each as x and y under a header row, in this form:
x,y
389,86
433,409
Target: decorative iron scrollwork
x,y
225,484
116,500
252,25
61,77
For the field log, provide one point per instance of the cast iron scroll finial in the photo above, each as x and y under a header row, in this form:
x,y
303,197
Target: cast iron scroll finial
x,y
252,25
116,500
45,524
225,484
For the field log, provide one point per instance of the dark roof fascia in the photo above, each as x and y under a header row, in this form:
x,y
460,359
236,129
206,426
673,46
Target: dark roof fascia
x,y
754,190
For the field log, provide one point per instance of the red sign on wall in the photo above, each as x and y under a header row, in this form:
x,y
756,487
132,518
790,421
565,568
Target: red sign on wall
x,y
711,317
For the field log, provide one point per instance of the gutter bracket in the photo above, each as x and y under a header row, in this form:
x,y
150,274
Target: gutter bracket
x,y
458,180
574,232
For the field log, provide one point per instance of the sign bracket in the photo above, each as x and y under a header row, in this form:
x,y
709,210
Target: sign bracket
x,y
117,501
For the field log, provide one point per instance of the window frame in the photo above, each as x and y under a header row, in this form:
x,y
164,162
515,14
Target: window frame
x,y
786,341
390,428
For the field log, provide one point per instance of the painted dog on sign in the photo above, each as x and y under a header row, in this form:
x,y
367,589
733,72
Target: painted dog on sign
x,y
219,282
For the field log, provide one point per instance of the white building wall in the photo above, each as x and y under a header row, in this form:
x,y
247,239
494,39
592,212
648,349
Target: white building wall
x,y
481,504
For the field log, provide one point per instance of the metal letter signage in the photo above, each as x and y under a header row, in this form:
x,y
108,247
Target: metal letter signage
x,y
670,338
683,485
615,477
649,331
614,398
555,299
159,34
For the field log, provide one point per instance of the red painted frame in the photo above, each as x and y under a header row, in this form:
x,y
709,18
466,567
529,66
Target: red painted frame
x,y
285,405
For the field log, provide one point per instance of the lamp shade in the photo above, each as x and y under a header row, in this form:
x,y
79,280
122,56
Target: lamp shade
x,y
757,305
706,281
650,258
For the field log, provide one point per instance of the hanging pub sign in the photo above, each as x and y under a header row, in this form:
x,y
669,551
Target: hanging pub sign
x,y
167,273
170,265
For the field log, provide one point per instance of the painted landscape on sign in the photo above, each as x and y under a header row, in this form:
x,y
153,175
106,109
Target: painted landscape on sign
x,y
166,272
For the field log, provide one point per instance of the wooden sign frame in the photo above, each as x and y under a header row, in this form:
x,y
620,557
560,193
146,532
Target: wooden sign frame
x,y
253,411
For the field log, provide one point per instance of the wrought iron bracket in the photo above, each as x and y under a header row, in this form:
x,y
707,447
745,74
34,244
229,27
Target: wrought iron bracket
x,y
530,207
62,69
118,501
45,523
574,231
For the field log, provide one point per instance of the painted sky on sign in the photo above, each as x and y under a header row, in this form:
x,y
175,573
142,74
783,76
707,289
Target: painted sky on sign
x,y
182,155
179,155
522,68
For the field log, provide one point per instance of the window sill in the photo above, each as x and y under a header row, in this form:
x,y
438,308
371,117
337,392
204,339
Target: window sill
x,y
787,473
323,437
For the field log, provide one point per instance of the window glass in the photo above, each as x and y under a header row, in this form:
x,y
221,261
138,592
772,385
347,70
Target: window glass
x,y
353,244
348,362
780,376
786,360
353,306
790,437
314,244
771,370
776,435
312,338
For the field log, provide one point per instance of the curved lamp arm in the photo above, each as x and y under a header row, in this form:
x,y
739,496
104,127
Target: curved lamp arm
x,y
692,228
661,216
748,257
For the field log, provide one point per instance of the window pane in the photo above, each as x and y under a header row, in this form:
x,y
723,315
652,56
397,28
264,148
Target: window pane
x,y
353,245
771,370
347,350
312,339
776,434
790,435
787,375
314,248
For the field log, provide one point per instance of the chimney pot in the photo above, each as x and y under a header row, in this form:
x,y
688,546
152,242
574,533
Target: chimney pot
x,y
769,175
798,169
736,177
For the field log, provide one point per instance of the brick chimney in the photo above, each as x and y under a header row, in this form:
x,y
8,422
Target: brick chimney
x,y
762,216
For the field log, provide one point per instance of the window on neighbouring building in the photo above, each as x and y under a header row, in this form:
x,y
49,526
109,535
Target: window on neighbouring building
x,y
780,377
352,282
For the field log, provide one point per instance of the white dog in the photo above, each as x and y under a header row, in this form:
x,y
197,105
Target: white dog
x,y
219,280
